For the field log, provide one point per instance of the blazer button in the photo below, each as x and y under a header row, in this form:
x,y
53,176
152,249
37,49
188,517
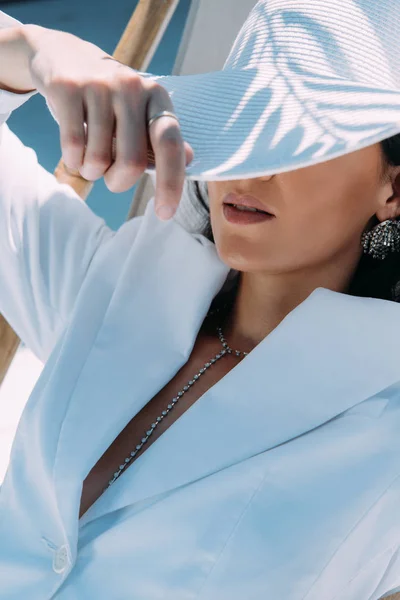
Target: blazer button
x,y
61,559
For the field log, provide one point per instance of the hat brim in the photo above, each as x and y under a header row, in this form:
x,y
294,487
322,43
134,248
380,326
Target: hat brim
x,y
255,122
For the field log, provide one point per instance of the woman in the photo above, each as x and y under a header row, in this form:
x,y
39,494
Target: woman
x,y
213,420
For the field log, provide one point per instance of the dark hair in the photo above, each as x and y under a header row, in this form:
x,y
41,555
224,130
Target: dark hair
x,y
373,278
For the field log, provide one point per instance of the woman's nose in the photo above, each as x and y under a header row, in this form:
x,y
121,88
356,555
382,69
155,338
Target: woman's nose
x,y
244,185
266,177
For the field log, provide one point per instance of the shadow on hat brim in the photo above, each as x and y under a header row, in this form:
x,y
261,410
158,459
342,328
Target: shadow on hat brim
x,y
254,122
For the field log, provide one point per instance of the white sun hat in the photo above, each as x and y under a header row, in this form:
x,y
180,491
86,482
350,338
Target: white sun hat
x,y
306,81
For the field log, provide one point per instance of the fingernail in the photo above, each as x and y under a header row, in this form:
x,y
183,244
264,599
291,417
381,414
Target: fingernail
x,y
165,212
87,173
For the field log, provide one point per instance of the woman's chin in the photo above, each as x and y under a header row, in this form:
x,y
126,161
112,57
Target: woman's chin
x,y
240,261
241,251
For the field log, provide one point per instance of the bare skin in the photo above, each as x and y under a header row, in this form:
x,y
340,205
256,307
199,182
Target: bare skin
x,y
207,345
314,241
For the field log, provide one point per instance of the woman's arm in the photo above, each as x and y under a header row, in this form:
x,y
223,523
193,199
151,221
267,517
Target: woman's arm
x,y
15,54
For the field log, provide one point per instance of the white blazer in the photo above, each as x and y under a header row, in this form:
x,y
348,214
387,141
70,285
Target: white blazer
x,y
280,482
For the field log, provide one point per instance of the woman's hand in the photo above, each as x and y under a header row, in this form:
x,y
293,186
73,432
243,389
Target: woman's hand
x,y
116,103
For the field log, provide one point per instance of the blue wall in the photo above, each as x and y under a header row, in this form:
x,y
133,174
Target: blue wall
x,y
101,22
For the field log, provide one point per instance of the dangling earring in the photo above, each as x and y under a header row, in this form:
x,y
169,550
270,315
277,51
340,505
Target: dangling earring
x,y
382,239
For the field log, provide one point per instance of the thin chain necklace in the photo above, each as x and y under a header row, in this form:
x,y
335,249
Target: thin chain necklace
x,y
225,351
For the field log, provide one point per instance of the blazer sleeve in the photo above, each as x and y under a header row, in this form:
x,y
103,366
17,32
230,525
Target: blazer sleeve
x,y
48,239
390,582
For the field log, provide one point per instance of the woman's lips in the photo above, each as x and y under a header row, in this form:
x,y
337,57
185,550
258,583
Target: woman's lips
x,y
247,201
244,217
239,216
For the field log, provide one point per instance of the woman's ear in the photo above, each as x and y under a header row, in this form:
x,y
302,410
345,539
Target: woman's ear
x,y
390,199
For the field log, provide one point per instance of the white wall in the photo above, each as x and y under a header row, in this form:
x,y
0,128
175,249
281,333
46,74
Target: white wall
x,y
211,29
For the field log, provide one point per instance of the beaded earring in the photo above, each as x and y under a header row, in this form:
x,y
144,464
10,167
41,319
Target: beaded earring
x,y
382,239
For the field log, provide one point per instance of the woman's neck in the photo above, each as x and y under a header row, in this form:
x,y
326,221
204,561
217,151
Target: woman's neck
x,y
260,304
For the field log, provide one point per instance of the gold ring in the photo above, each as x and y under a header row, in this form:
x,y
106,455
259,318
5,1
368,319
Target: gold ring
x,y
164,113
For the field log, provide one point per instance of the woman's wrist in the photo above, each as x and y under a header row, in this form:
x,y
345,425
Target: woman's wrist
x,y
15,56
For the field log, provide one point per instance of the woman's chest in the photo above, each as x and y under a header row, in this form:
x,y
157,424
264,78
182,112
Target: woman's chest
x,y
155,418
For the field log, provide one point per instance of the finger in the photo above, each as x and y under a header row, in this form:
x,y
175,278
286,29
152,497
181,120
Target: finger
x,y
100,127
169,152
189,152
130,145
68,106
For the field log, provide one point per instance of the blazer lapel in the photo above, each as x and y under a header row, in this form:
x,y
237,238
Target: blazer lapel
x,y
329,354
